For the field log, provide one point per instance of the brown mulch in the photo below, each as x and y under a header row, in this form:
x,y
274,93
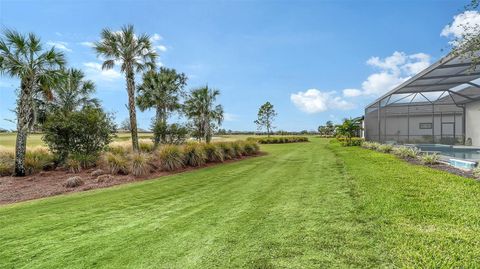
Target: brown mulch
x,y
445,167
50,183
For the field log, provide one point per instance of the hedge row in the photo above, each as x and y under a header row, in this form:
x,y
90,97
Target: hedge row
x,y
278,139
120,159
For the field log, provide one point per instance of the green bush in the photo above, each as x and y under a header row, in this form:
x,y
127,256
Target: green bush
x,y
7,162
73,165
251,147
406,152
139,164
194,154
145,145
237,149
116,164
429,158
213,152
278,139
228,152
354,141
170,157
476,172
38,159
169,133
87,132
384,148
371,145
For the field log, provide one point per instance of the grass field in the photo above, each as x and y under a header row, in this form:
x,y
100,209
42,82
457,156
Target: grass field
x,y
304,205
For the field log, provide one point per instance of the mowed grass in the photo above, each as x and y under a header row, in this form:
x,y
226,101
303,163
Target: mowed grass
x,y
305,205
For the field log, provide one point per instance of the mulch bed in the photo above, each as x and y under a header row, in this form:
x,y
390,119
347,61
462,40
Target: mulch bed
x,y
50,183
445,167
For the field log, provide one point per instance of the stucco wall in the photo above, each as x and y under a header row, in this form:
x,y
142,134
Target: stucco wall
x,y
472,122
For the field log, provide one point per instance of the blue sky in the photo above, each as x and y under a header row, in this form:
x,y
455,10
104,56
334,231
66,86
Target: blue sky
x,y
314,60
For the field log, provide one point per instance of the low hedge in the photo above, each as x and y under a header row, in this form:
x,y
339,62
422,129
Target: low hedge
x,y
278,139
354,141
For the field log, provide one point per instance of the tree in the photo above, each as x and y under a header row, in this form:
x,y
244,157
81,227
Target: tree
x,y
162,91
200,108
83,132
73,92
125,125
266,116
327,130
23,56
349,128
467,43
134,54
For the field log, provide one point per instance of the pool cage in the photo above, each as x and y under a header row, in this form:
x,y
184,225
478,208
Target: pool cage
x,y
429,108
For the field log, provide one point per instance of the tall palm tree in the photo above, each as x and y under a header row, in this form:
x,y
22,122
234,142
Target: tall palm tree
x,y
200,108
73,91
134,54
162,91
23,56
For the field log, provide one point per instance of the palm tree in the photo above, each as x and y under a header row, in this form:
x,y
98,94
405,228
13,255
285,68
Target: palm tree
x,y
349,128
23,56
73,91
162,91
199,107
134,54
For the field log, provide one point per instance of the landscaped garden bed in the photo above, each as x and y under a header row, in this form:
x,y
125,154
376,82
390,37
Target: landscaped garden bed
x,y
116,166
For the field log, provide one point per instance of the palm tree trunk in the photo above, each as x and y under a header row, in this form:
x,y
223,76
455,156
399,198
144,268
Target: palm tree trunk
x,y
24,112
131,106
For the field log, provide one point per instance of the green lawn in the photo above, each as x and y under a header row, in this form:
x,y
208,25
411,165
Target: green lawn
x,y
304,205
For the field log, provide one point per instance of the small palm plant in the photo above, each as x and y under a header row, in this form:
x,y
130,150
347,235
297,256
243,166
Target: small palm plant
x,y
24,57
348,129
134,54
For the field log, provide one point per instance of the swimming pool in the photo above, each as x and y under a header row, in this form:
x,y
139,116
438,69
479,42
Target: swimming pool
x,y
461,152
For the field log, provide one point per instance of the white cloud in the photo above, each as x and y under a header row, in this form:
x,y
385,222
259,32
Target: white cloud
x,y
315,101
393,70
87,44
59,45
156,37
161,48
95,72
352,92
230,117
463,24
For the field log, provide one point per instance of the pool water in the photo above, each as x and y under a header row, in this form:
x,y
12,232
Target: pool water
x,y
468,153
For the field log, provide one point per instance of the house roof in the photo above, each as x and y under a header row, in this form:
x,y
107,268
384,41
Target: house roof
x,y
450,80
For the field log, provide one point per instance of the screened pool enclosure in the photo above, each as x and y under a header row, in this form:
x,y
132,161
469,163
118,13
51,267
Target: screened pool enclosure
x,y
440,105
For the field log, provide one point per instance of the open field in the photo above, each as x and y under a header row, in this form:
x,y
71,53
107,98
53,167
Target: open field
x,y
305,205
8,140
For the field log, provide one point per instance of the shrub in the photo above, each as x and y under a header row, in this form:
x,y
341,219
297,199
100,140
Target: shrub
x,y
117,164
194,154
385,148
73,182
38,159
213,152
251,147
371,145
145,145
476,172
139,165
169,133
87,131
278,139
170,157
7,162
238,149
120,148
97,172
430,158
348,142
228,151
406,152
73,165
103,178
